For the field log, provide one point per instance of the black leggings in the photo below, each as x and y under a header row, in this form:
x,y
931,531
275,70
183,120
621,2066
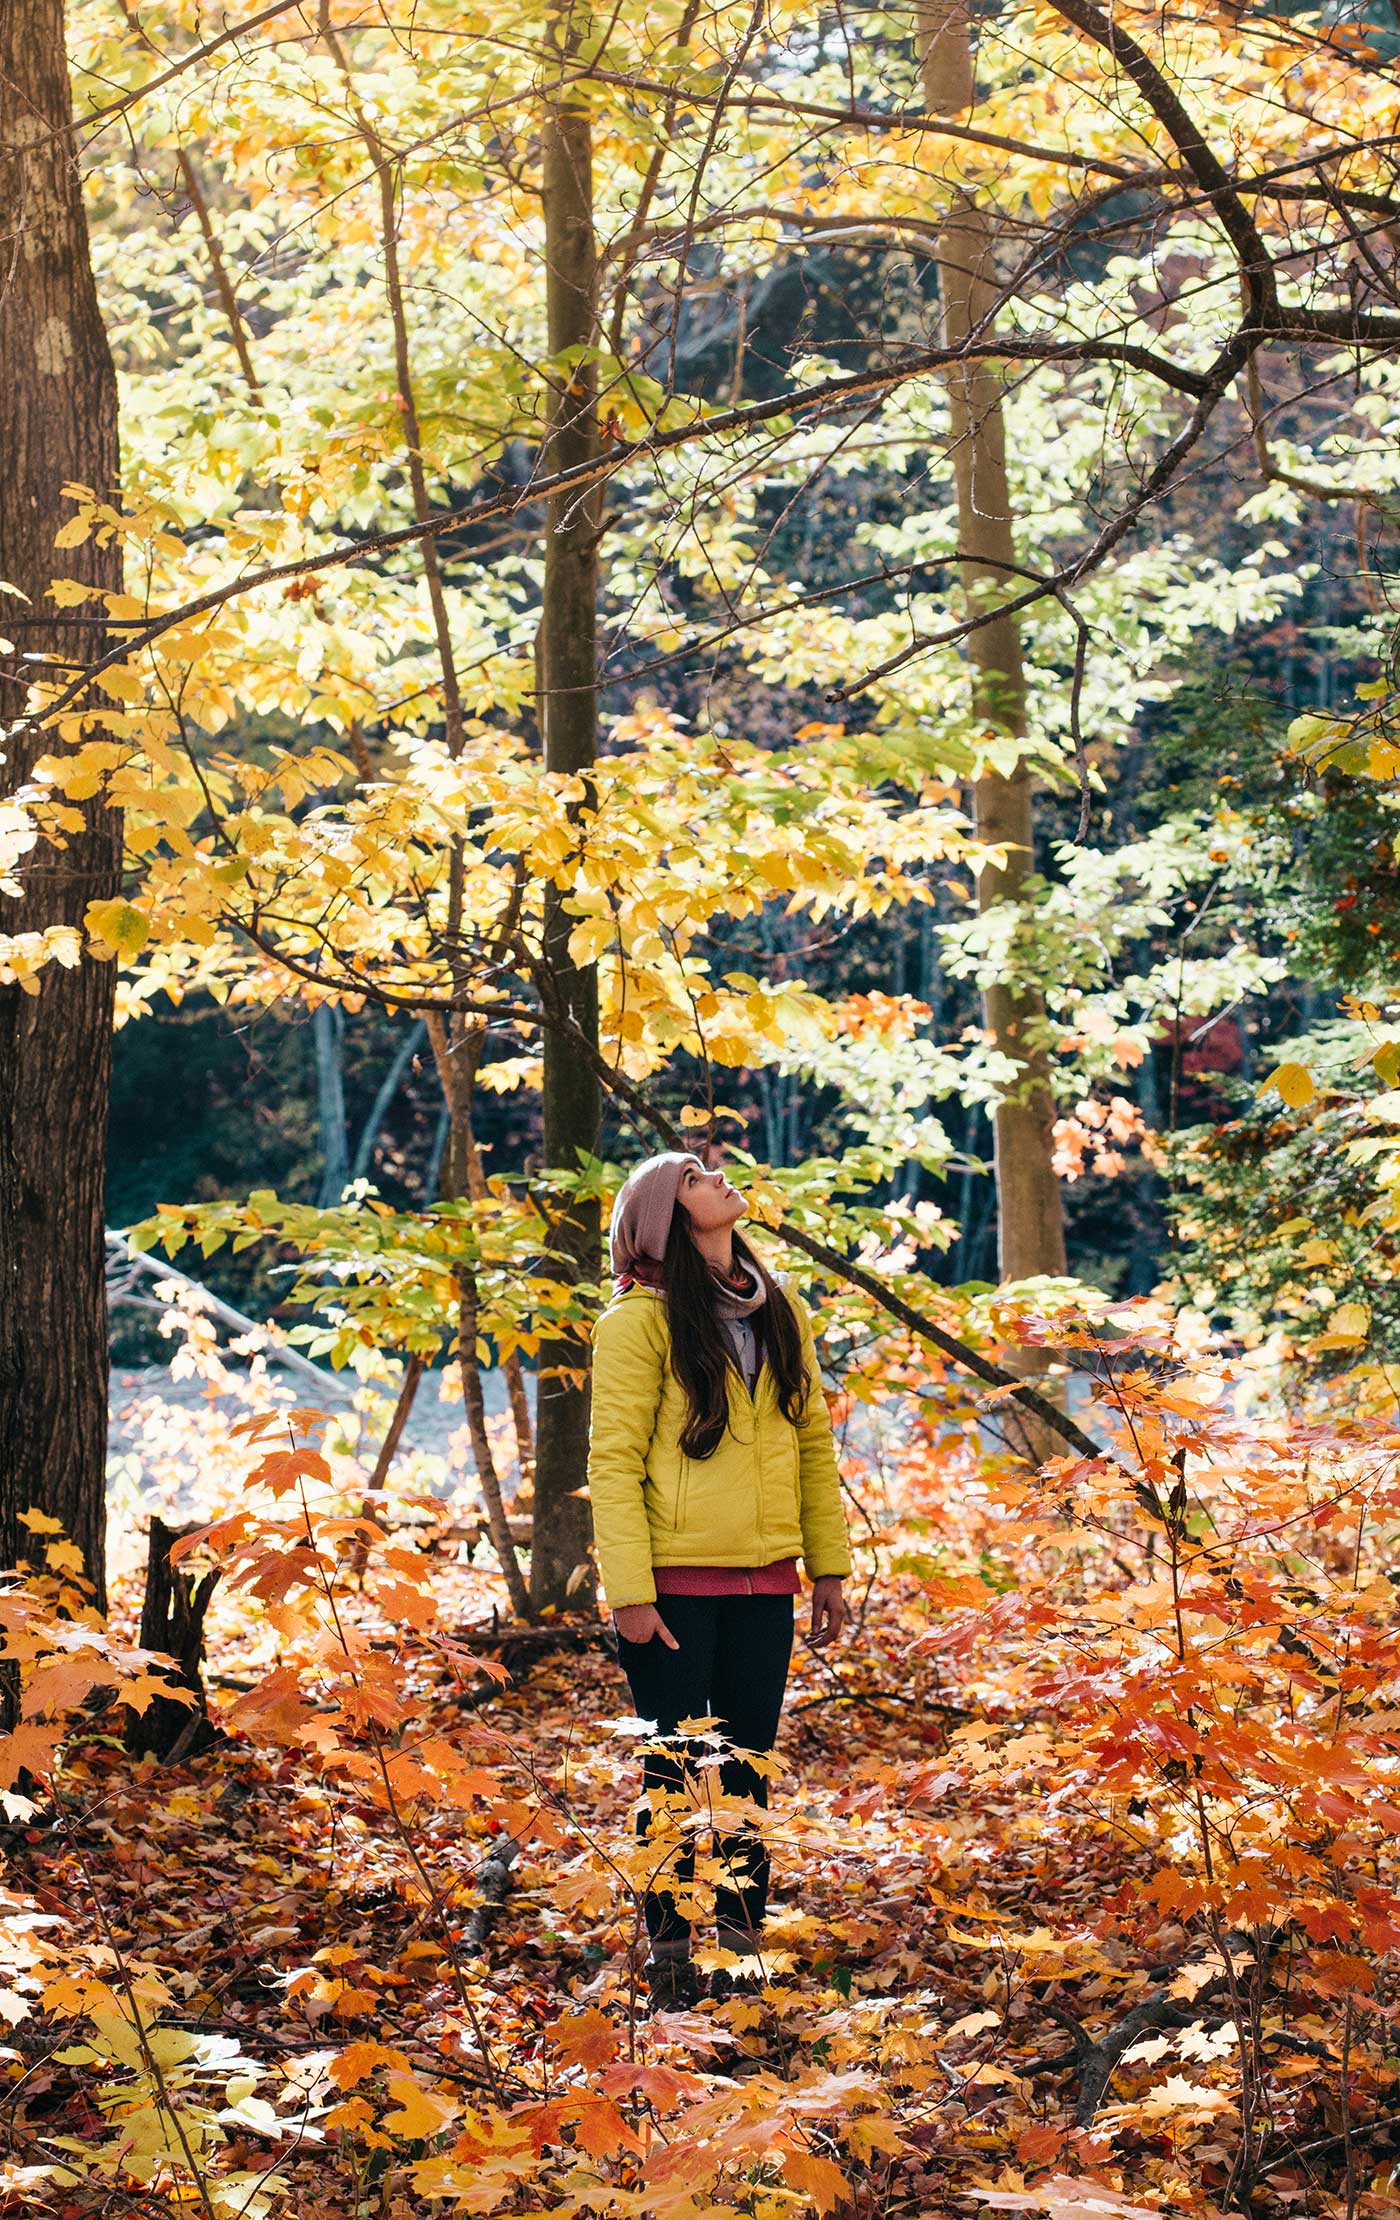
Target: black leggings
x,y
732,1666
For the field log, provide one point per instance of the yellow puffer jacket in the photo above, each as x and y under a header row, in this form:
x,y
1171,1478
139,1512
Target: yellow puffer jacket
x,y
770,1490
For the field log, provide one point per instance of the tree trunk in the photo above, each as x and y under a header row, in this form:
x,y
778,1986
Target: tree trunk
x,y
58,422
567,661
1030,1223
328,1034
458,1036
362,1163
172,1622
388,1450
497,1521
511,1367
462,1175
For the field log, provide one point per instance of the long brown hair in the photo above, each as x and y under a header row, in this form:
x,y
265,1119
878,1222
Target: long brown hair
x,y
701,1350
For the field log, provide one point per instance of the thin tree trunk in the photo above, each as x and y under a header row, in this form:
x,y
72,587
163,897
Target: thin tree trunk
x,y
456,1041
328,1032
511,1366
362,1163
1030,1220
520,1419
388,1450
58,423
457,1071
567,660
502,1540
223,284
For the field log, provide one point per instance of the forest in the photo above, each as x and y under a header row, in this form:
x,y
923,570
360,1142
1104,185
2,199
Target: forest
x,y
798,598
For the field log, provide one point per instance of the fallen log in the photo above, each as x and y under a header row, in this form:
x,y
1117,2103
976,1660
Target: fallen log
x,y
129,1264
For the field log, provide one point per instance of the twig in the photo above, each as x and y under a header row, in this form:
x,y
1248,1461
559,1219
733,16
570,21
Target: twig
x,y
1301,2151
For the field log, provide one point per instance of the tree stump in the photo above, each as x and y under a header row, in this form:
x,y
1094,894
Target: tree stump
x,y
172,1622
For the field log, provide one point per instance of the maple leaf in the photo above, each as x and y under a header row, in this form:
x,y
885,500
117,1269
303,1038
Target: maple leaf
x,y
419,2113
357,2061
602,2130
587,2039
818,2179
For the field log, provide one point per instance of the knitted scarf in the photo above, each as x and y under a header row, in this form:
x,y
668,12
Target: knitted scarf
x,y
736,1298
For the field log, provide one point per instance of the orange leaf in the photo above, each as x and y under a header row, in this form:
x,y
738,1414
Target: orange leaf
x,y
817,2179
602,2131
586,2039
358,2061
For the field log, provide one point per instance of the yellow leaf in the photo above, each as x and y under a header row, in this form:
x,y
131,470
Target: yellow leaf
x,y
122,684
67,592
119,926
872,2133
1348,1327
1318,1251
39,1522
591,939
74,532
1387,1063
421,2112
1294,1082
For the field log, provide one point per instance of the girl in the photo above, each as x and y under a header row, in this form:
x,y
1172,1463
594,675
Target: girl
x,y
711,1468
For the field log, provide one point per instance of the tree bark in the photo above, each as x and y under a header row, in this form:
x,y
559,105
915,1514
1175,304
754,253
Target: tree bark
x,y
1030,1221
58,423
560,1571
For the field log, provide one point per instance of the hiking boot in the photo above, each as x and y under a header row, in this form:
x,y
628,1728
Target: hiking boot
x,y
673,1984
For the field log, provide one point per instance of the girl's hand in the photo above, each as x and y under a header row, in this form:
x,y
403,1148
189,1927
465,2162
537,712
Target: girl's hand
x,y
642,1622
829,1612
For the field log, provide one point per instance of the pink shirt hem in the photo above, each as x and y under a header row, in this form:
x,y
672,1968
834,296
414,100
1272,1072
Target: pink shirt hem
x,y
780,1579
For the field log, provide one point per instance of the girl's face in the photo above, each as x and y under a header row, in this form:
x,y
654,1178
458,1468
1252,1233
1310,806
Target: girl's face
x,y
708,1200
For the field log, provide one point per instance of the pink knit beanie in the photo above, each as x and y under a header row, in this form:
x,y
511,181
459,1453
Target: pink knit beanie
x,y
642,1214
